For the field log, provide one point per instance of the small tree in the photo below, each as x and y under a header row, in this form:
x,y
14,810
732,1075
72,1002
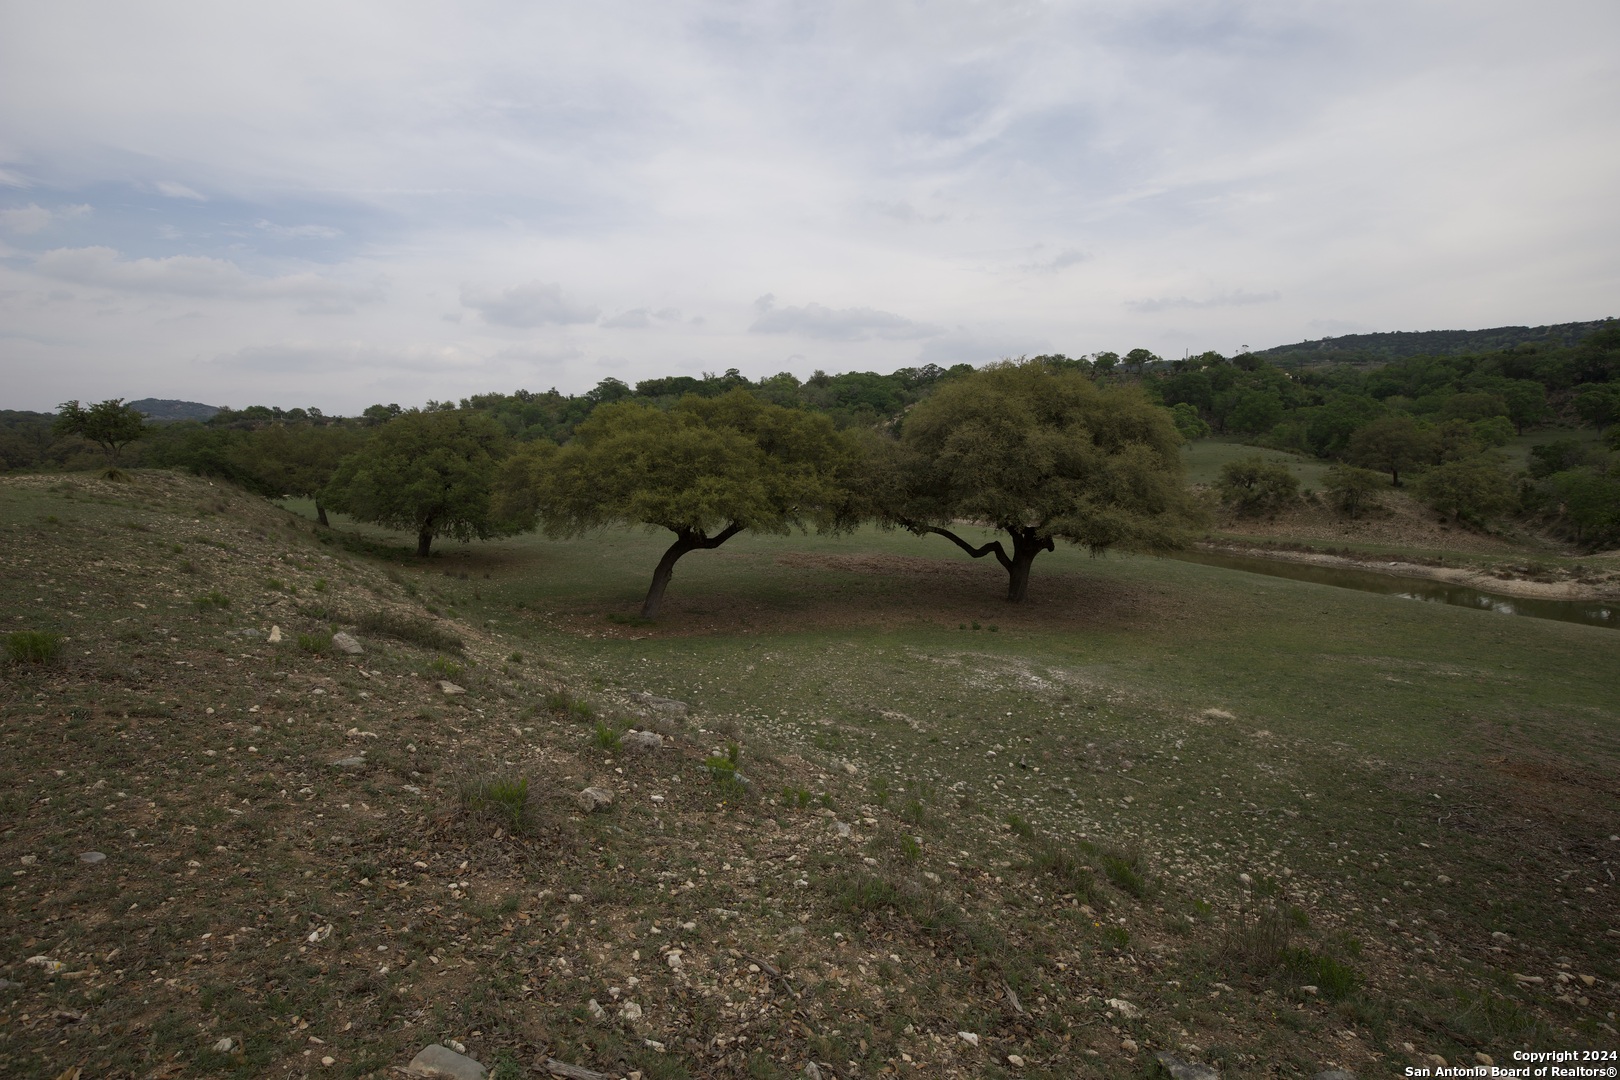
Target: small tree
x,y
299,460
1353,489
1392,444
428,472
1469,488
706,470
1254,485
110,424
1041,454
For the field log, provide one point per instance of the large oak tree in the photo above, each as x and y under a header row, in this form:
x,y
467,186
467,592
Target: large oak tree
x,y
429,472
706,470
1042,454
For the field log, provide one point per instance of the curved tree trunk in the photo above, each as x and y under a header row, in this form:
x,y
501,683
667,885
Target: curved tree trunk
x,y
685,540
424,540
320,515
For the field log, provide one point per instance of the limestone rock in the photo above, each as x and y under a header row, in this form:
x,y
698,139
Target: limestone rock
x,y
638,742
225,1045
450,689
346,644
436,1060
1186,1070
594,798
355,762
1124,1008
92,857
275,635
661,705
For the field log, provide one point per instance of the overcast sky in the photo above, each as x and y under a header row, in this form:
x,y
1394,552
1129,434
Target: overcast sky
x,y
336,204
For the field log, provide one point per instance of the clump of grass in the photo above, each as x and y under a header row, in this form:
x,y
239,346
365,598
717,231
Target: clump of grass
x,y
1020,827
447,668
910,849
315,643
1259,940
275,584
562,703
1056,861
723,769
515,658
320,584
1126,871
796,796
411,631
213,598
1332,978
33,647
607,738
506,799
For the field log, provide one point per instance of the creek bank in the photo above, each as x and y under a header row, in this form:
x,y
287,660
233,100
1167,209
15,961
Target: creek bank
x,y
1504,580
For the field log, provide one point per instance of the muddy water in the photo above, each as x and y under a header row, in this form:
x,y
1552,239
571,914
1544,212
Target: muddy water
x,y
1589,612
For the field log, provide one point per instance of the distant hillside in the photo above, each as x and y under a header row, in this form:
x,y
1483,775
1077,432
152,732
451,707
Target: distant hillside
x,y
1380,348
163,410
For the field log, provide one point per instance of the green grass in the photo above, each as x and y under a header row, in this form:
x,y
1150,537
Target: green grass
x,y
33,647
1205,457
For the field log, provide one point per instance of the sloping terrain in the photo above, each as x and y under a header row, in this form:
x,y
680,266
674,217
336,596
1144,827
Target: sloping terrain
x,y
940,855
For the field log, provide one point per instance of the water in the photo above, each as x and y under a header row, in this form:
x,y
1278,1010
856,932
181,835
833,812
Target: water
x,y
1588,612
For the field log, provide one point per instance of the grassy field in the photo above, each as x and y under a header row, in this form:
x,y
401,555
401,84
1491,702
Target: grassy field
x,y
1163,807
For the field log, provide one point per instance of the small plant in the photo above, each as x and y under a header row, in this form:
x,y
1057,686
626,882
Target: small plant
x,y
320,584
1020,827
33,647
1126,872
723,768
607,738
1333,979
515,658
1058,862
504,798
796,796
880,790
1117,936
562,703
275,584
910,849
213,598
315,643
447,668
411,631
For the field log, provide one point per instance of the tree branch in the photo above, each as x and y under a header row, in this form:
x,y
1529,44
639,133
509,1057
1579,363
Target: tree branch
x,y
992,548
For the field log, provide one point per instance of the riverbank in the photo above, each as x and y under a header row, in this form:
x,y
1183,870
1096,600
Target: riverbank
x,y
1595,579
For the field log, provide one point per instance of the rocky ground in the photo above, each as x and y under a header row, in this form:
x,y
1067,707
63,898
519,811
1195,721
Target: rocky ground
x,y
238,844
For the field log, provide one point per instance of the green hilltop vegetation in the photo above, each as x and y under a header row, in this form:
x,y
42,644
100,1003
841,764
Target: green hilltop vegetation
x,y
1398,345
1444,425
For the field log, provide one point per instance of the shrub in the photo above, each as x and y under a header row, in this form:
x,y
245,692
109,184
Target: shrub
x,y
1353,489
607,738
447,668
412,631
562,703
1127,872
33,647
213,598
1257,486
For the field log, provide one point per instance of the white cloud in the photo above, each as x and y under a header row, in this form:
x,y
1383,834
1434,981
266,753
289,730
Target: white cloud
x,y
12,179
535,304
299,232
1238,298
34,218
641,318
190,275
1061,261
179,191
836,324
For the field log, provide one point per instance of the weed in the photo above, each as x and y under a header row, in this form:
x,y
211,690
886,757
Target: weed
x,y
607,738
796,796
320,584
412,631
504,798
1020,827
447,668
1258,941
1126,872
1333,979
213,598
562,703
723,769
315,643
275,584
1116,936
33,647
880,790
1054,860
515,658
910,849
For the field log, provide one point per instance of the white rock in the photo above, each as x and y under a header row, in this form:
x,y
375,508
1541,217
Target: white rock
x,y
347,644
1124,1008
630,1011
225,1045
51,966
275,635
594,1007
968,1037
320,935
450,689
1015,1061
594,798
673,958
436,1060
